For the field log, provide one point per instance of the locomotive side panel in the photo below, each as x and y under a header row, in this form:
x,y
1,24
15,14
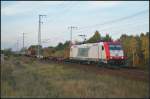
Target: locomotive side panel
x,y
94,52
90,52
79,52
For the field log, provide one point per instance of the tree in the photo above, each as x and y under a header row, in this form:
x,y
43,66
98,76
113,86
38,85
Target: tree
x,y
7,52
59,46
23,49
66,44
107,38
134,50
145,47
95,38
137,44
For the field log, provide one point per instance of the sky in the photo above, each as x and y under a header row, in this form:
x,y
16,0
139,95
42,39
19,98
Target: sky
x,y
108,17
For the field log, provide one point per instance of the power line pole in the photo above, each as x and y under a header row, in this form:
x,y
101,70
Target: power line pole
x,y
71,28
39,34
23,40
23,50
18,45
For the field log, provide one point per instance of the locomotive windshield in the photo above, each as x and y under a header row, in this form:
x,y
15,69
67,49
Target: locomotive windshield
x,y
115,47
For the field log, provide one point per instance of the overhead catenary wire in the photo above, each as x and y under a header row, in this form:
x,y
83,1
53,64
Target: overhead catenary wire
x,y
116,20
63,4
138,26
68,10
111,22
119,31
123,25
65,8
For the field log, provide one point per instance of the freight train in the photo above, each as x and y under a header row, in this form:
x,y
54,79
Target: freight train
x,y
93,53
101,53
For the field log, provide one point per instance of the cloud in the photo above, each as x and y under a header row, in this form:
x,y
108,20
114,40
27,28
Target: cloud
x,y
96,4
19,7
10,8
13,9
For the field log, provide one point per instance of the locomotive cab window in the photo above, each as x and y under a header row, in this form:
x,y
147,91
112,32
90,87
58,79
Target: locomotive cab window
x,y
115,47
102,48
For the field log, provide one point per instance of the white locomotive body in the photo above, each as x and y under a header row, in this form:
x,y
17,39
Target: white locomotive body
x,y
105,52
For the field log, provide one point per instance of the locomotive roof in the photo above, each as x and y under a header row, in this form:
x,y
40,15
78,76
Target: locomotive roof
x,y
91,44
113,42
86,44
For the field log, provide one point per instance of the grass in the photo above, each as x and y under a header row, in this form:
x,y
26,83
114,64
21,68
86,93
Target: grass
x,y
23,77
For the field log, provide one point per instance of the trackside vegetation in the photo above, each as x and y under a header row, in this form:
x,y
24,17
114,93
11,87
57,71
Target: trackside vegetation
x,y
24,77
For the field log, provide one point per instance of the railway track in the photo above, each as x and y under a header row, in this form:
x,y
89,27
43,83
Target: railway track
x,y
131,73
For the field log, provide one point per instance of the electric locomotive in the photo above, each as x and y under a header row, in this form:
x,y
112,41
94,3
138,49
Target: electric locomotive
x,y
101,52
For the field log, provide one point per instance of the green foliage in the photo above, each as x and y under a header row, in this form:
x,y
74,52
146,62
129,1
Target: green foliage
x,y
23,49
95,38
35,46
56,51
7,52
59,46
107,38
